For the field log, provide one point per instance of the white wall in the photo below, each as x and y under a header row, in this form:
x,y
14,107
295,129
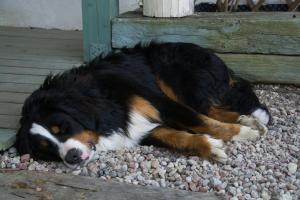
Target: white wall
x,y
61,14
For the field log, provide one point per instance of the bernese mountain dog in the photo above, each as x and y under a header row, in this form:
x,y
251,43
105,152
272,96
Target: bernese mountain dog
x,y
174,95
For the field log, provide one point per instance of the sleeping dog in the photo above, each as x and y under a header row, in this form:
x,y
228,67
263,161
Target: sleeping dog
x,y
174,95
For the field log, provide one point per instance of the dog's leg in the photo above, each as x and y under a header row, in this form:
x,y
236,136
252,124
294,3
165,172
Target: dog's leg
x,y
223,115
195,144
226,131
178,116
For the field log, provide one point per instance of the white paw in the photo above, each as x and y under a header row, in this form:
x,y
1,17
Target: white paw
x,y
246,133
261,115
254,123
217,149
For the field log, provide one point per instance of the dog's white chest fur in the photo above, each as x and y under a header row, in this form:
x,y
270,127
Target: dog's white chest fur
x,y
138,127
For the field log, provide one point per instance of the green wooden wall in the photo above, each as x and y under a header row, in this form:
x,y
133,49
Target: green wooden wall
x,y
261,47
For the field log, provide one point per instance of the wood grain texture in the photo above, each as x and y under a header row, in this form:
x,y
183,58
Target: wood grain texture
x,y
26,57
7,138
265,68
18,87
23,184
9,121
262,33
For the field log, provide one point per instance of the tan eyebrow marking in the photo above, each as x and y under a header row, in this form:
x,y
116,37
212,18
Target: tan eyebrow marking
x,y
55,129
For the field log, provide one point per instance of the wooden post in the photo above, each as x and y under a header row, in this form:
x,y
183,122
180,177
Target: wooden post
x,y
97,16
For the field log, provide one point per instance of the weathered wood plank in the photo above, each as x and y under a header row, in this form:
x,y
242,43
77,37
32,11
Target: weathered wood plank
x,y
265,68
27,71
7,138
232,33
52,64
7,41
16,78
10,109
13,97
76,60
18,87
9,121
64,186
16,51
40,33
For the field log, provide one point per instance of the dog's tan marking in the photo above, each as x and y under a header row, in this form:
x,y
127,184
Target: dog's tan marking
x,y
44,143
217,129
225,131
167,90
223,115
55,129
200,145
87,137
144,107
231,82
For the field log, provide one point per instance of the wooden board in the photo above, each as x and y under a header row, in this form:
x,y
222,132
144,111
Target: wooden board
x,y
7,138
35,62
39,33
27,56
27,71
24,184
9,122
18,87
259,33
265,68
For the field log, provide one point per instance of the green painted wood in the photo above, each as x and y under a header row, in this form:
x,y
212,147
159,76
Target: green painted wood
x,y
10,109
9,121
97,15
265,68
13,97
18,87
50,64
263,33
27,71
7,138
17,78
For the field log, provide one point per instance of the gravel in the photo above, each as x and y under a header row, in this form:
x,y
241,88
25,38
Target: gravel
x,y
264,169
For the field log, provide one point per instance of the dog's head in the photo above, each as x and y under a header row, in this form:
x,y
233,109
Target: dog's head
x,y
58,124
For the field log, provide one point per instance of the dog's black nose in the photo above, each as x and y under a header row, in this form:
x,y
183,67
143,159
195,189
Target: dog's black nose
x,y
73,156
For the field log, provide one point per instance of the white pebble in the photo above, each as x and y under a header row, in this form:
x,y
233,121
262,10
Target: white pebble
x,y
292,167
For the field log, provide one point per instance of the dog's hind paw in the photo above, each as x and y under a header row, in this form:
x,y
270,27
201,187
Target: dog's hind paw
x,y
246,133
217,149
253,123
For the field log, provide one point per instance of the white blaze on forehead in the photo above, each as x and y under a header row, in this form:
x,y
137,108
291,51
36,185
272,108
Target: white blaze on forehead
x,y
37,129
138,127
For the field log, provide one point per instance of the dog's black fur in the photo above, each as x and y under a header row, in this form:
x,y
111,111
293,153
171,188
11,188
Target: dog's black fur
x,y
96,96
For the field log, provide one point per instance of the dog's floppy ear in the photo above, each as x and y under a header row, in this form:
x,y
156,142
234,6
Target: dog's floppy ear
x,y
82,115
23,144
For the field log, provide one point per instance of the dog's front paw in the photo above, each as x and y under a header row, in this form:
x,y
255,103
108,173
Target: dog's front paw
x,y
217,149
253,123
